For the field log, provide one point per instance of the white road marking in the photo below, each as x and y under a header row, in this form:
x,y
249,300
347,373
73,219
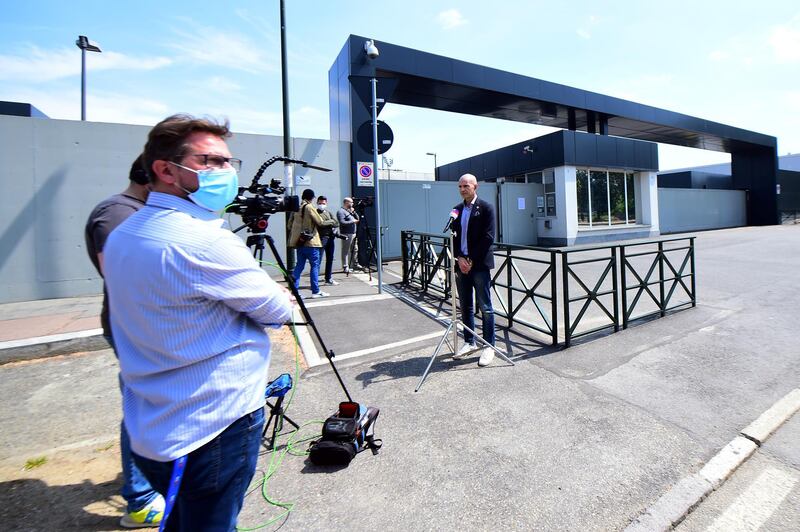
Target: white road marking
x,y
756,505
392,345
51,338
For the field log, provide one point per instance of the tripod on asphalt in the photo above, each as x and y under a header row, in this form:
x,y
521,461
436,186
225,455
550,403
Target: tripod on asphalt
x,y
370,252
453,323
256,241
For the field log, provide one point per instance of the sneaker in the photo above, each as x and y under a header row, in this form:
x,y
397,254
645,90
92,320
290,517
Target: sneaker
x,y
487,355
464,351
319,295
147,517
332,282
347,270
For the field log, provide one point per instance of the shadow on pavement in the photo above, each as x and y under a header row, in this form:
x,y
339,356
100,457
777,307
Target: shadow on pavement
x,y
32,504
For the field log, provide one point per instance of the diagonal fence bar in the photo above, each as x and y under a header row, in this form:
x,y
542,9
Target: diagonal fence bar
x,y
526,288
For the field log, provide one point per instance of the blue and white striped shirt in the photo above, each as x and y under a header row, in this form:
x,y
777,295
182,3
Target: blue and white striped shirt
x,y
188,309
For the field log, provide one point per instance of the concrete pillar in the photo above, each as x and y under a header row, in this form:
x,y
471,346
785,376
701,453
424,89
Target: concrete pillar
x,y
646,185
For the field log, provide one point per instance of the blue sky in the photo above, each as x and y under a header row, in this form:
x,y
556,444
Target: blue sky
x,y
729,61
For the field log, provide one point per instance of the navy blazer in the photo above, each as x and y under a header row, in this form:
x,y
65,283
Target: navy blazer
x,y
480,234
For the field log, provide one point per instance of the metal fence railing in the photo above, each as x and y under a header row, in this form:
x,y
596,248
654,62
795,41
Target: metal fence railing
x,y
661,256
426,259
589,296
519,299
601,287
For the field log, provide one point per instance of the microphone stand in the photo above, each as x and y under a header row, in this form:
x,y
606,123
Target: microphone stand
x,y
454,322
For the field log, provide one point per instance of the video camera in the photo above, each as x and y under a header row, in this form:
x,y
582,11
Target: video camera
x,y
266,200
361,203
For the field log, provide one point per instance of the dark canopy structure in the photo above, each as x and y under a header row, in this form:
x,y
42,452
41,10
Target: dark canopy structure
x,y
420,79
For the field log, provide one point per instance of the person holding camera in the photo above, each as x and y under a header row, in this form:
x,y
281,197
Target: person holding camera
x,y
188,307
328,234
304,236
347,219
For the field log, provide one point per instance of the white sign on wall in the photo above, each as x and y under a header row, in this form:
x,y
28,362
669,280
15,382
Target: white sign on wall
x,y
366,174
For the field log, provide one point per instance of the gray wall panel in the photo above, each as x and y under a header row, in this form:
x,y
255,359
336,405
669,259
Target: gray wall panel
x,y
699,209
55,171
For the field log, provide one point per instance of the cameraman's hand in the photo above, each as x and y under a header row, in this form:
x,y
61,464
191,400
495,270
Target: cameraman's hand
x,y
289,293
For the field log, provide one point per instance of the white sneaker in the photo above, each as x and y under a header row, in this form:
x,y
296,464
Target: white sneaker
x,y
464,351
319,295
332,282
487,355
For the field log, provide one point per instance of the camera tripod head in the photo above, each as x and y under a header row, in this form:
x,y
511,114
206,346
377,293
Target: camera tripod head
x,y
265,200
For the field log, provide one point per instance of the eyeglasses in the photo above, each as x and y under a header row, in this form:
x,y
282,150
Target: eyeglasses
x,y
210,160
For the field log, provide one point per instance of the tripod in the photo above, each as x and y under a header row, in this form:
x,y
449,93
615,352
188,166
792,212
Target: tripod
x,y
370,252
454,322
256,241
277,388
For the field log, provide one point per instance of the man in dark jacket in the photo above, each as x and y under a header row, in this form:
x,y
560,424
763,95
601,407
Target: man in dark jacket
x,y
473,234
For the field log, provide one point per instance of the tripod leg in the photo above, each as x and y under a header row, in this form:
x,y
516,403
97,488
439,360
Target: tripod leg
x,y
309,321
433,357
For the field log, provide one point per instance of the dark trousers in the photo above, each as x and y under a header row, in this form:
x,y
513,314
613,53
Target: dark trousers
x,y
478,282
328,243
215,479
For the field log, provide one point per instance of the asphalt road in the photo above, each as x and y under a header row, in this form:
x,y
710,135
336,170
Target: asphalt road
x,y
577,439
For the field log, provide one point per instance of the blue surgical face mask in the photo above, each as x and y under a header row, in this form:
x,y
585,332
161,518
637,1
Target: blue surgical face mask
x,y
217,187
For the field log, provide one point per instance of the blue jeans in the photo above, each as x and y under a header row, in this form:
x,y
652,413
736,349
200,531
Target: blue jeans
x,y
312,255
479,282
215,479
136,491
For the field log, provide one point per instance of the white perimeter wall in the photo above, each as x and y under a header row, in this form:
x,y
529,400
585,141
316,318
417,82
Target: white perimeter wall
x,y
687,209
54,172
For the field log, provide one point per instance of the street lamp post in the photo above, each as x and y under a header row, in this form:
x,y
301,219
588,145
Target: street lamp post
x,y
434,164
86,46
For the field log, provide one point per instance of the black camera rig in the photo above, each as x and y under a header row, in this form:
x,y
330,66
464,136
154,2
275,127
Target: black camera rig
x,y
265,200
361,203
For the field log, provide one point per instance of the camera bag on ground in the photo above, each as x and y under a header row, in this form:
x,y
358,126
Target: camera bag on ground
x,y
346,433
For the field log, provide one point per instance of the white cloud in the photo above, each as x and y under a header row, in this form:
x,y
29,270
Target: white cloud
x,y
38,65
582,33
220,84
210,46
100,107
785,41
718,55
451,18
793,100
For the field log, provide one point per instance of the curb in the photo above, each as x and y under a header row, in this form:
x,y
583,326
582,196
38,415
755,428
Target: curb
x,y
673,507
50,346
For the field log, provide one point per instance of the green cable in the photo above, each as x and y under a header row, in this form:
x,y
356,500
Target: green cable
x,y
274,465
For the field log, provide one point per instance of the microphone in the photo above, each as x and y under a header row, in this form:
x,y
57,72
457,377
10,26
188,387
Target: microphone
x,y
450,220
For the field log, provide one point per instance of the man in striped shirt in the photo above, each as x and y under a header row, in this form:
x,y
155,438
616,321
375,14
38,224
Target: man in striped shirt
x,y
189,305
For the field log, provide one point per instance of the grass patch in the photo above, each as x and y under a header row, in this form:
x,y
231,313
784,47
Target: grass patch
x,y
33,463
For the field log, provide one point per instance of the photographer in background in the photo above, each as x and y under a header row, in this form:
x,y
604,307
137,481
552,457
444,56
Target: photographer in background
x,y
189,305
145,506
304,236
328,234
347,219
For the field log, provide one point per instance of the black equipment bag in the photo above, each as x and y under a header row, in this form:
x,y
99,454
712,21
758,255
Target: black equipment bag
x,y
346,433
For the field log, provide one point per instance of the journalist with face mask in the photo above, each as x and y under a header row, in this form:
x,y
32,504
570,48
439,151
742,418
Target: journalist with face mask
x,y
328,235
188,306
304,236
